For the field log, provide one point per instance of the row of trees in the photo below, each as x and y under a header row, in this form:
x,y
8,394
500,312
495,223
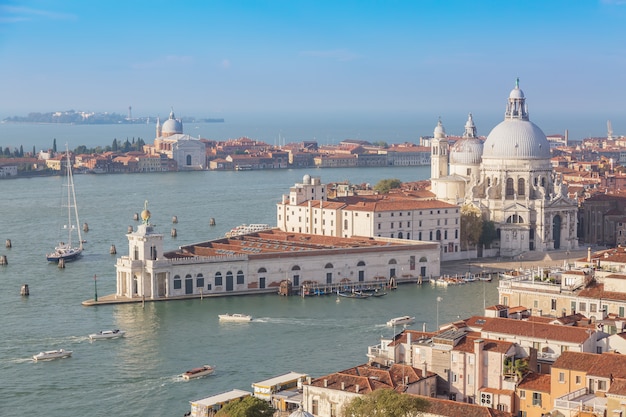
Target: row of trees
x,y
116,146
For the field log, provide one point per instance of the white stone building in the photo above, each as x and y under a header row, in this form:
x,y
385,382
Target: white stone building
x,y
307,210
510,179
259,262
189,153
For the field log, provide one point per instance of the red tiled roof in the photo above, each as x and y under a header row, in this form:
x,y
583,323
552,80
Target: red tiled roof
x,y
536,382
536,330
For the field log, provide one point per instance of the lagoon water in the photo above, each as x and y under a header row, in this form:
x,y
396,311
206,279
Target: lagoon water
x,y
138,375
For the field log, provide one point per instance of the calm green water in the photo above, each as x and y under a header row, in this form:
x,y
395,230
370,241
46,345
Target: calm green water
x,y
137,375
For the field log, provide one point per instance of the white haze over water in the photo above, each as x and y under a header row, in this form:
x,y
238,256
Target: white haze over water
x,y
280,129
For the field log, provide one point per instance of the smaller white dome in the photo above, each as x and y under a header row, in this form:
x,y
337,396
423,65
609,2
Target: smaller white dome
x,y
439,132
466,152
300,413
306,180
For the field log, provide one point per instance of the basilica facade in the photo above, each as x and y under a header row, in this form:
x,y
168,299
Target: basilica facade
x,y
189,153
509,178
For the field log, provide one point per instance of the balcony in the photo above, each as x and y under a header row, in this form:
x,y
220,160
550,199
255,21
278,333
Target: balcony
x,y
580,401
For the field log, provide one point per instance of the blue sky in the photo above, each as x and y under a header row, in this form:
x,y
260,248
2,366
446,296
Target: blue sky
x,y
217,58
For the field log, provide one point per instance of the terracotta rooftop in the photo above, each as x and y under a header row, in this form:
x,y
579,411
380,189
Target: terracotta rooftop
x,y
597,291
274,242
536,382
605,365
530,329
450,408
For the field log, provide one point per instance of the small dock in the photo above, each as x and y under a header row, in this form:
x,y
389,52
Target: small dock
x,y
312,288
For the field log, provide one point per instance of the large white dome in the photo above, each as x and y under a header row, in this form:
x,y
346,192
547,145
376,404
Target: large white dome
x,y
172,125
516,139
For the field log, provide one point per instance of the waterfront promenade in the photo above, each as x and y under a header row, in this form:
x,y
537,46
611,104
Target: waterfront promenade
x,y
501,264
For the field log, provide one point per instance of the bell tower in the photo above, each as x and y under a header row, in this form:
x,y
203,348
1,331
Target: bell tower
x,y
439,153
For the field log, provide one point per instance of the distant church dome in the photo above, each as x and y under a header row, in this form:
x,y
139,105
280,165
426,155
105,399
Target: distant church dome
x,y
306,180
516,137
172,126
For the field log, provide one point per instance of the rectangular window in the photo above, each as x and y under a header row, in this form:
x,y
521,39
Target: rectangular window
x,y
178,284
522,394
578,379
582,306
200,282
621,312
561,377
593,308
553,304
601,385
314,407
537,399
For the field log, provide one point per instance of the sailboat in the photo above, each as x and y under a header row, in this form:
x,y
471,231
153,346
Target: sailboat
x,y
70,249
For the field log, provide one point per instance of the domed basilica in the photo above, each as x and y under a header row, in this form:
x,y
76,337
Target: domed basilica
x,y
509,178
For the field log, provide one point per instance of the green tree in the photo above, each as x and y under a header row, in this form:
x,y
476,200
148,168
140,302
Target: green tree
x,y
114,146
21,151
384,186
54,145
381,143
385,403
471,226
488,234
249,406
34,153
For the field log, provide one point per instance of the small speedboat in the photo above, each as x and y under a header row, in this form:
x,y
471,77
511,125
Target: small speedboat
x,y
107,334
198,372
235,317
399,321
52,354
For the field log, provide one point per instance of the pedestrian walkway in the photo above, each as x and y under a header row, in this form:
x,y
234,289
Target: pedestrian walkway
x,y
500,264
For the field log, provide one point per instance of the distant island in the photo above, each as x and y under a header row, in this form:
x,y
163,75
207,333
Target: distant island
x,y
92,118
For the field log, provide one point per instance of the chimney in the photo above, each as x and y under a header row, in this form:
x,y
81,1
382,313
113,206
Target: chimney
x,y
589,254
424,369
406,380
343,386
357,387
325,383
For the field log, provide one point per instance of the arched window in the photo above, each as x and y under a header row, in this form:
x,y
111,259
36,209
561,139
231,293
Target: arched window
x,y
521,186
218,279
360,263
392,261
177,282
328,265
543,181
510,190
423,259
188,160
438,235
345,224
261,270
488,182
400,235
199,281
240,277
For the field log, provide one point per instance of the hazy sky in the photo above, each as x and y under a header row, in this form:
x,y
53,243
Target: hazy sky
x,y
216,58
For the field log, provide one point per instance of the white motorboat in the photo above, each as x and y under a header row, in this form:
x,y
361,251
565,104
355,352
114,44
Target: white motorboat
x,y
52,354
198,372
399,321
235,317
107,334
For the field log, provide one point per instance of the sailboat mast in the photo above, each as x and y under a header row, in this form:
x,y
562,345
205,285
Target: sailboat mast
x,y
71,201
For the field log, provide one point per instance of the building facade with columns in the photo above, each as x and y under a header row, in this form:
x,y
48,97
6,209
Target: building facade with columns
x,y
189,153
